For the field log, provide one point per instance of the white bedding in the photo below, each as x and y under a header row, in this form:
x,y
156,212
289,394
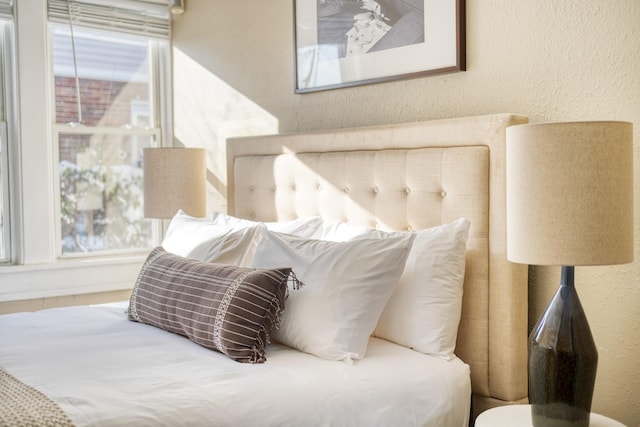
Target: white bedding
x,y
102,369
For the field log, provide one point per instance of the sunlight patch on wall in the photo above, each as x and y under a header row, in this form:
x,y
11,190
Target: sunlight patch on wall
x,y
206,112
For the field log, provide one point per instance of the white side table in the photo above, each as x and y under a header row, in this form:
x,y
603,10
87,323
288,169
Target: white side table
x,y
520,416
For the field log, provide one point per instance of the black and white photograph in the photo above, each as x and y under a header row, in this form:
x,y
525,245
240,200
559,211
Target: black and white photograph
x,y
342,43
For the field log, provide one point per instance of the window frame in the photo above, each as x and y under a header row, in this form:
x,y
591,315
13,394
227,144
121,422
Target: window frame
x,y
36,271
158,71
8,126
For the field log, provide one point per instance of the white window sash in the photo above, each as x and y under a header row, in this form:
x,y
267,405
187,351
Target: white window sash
x,y
58,129
98,130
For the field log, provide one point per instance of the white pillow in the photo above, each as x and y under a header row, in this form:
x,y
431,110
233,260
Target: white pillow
x,y
344,231
304,227
202,240
424,311
346,286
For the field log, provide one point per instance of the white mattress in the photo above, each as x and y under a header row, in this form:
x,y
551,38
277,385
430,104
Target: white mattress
x,y
102,369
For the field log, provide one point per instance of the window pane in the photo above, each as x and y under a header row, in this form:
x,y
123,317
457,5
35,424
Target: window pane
x,y
3,187
101,192
101,170
114,78
5,26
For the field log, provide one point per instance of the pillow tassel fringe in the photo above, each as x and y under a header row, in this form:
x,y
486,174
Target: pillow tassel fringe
x,y
295,282
273,321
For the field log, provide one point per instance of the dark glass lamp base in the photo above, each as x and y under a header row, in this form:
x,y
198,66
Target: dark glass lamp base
x,y
562,361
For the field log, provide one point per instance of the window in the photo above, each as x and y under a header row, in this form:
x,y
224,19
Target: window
x,y
107,90
81,232
5,218
6,39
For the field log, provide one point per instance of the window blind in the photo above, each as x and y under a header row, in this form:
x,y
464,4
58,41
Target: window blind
x,y
6,9
145,18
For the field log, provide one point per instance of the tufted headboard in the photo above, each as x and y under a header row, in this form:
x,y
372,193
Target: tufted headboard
x,y
403,177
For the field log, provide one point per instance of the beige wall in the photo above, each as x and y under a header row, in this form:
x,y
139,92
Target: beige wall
x,y
547,59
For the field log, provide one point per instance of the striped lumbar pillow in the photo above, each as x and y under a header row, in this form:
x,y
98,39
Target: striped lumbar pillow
x,y
222,307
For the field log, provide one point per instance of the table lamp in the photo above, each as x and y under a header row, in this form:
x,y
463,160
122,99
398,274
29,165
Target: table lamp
x,y
569,203
174,179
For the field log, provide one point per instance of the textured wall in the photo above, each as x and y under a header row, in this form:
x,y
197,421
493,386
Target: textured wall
x,y
549,60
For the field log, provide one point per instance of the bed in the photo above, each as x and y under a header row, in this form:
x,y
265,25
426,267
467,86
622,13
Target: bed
x,y
357,203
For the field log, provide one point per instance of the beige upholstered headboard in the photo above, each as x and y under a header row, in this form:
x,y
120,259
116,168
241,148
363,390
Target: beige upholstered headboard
x,y
402,177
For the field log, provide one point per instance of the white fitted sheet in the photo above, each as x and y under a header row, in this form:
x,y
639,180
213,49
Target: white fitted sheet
x,y
103,369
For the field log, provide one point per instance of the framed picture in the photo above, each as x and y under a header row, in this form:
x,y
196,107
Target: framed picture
x,y
340,43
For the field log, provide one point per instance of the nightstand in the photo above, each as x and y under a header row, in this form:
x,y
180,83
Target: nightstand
x,y
520,416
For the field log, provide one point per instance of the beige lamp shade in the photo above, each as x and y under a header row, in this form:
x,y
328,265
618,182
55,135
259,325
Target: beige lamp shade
x,y
174,178
570,193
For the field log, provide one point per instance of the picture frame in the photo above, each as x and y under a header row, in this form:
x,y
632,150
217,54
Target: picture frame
x,y
344,43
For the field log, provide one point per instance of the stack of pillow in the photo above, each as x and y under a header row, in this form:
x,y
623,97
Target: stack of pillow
x,y
344,283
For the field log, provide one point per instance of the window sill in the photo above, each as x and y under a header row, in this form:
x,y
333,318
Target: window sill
x,y
69,277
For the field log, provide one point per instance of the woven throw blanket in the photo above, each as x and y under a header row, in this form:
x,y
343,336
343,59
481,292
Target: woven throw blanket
x,y
23,406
